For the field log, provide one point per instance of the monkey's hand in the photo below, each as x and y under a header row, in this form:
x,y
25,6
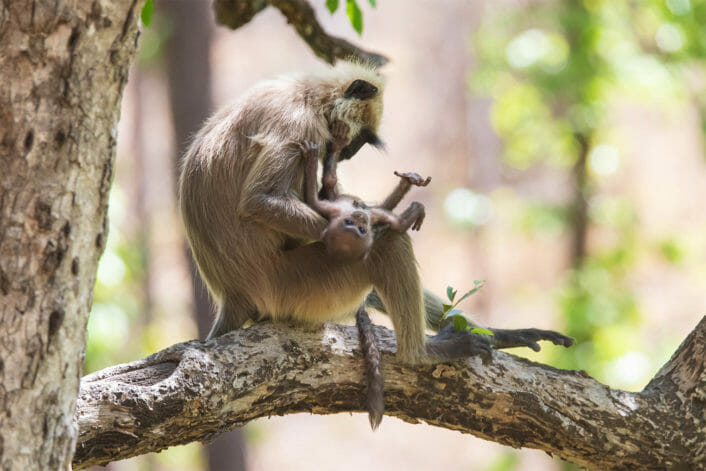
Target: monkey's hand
x,y
503,338
339,136
413,178
310,150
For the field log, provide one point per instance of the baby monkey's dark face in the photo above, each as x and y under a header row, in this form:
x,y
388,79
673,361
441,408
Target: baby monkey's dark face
x,y
349,235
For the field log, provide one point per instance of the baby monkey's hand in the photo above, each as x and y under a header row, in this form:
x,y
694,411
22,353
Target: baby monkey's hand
x,y
413,178
310,152
339,136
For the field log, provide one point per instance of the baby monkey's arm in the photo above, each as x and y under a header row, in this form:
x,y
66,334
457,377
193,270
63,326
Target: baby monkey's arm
x,y
328,209
339,140
406,181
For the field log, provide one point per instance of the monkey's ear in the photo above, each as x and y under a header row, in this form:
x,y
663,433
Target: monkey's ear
x,y
361,90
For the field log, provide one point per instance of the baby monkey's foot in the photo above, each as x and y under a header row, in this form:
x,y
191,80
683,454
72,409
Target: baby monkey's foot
x,y
411,218
413,178
339,136
418,210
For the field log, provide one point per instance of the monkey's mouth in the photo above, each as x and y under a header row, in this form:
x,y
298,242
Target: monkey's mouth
x,y
365,136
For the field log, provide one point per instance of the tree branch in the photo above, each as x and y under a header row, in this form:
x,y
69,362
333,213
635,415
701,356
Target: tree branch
x,y
194,391
236,13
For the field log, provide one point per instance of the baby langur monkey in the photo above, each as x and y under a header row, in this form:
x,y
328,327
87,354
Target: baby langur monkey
x,y
350,236
350,233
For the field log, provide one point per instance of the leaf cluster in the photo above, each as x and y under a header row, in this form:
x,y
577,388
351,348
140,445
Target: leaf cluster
x,y
460,321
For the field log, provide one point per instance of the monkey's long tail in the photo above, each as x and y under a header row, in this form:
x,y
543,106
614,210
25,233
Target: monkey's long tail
x,y
371,356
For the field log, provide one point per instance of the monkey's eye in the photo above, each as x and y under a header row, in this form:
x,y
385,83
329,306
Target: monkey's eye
x,y
362,229
348,222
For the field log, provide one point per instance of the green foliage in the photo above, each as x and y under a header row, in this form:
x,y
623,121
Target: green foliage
x,y
506,461
355,15
353,11
460,321
332,6
147,12
553,69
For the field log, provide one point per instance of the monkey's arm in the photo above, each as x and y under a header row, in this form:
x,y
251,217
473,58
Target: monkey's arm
x,y
406,181
310,153
267,202
286,214
412,217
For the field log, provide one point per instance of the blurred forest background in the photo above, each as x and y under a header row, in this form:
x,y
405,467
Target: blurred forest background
x,y
566,141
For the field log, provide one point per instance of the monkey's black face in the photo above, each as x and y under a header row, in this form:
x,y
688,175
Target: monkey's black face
x,y
365,136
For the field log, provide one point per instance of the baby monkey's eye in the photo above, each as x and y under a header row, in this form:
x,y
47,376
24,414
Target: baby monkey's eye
x,y
362,229
348,222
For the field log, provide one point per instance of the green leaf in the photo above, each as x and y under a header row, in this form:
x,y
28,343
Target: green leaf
x,y
147,12
373,3
446,308
450,293
480,330
473,291
355,15
460,323
332,5
478,282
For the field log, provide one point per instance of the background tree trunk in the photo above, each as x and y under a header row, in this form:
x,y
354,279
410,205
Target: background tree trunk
x,y
189,79
63,67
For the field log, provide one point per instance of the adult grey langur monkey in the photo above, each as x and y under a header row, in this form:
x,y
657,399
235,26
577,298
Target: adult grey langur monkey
x,y
256,243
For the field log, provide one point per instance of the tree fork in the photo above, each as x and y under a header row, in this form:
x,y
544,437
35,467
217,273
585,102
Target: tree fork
x,y
194,391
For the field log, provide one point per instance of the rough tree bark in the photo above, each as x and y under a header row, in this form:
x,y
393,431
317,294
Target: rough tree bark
x,y
195,390
63,66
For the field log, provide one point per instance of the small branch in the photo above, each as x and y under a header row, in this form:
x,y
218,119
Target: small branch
x,y
236,13
195,390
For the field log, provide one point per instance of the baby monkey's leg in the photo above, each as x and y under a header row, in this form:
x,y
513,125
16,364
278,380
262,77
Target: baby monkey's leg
x,y
407,179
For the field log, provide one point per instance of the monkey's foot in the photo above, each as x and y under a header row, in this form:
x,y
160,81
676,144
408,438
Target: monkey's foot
x,y
503,338
450,344
413,178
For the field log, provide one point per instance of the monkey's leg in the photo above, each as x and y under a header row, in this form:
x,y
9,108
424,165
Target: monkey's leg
x,y
371,355
407,179
392,268
233,311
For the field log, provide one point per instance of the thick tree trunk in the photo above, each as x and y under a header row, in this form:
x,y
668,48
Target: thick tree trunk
x,y
63,66
195,390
